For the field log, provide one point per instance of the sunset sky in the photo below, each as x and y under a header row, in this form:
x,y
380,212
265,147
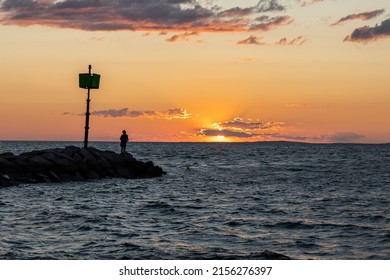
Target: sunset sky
x,y
187,70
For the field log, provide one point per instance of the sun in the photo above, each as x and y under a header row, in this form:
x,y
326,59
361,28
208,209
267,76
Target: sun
x,y
220,138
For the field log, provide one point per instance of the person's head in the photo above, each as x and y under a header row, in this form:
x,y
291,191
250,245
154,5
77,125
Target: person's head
x,y
124,131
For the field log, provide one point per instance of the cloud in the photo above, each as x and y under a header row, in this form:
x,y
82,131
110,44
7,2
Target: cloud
x,y
176,113
305,3
367,34
248,134
296,41
296,105
338,137
344,137
139,15
226,133
245,125
249,59
267,23
239,128
285,137
237,12
114,113
182,36
254,40
362,16
307,106
261,7
241,124
258,130
251,40
269,6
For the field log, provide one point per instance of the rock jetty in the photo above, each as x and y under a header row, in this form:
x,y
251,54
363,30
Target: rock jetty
x,y
72,164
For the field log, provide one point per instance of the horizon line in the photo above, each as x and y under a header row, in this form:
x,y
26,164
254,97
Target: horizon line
x,y
206,142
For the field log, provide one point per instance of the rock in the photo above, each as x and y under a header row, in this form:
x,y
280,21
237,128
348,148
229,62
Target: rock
x,y
88,157
95,152
5,180
39,161
6,177
91,174
7,155
62,161
12,173
77,157
42,178
72,164
71,150
104,165
123,172
4,163
54,177
68,177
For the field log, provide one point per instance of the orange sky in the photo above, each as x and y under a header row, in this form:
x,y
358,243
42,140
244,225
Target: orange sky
x,y
312,71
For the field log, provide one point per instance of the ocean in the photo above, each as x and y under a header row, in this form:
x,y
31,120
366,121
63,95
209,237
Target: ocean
x,y
217,201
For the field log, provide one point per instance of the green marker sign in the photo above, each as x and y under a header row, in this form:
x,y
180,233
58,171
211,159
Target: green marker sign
x,y
87,80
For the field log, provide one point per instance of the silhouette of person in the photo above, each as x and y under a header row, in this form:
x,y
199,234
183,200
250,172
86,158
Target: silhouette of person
x,y
124,139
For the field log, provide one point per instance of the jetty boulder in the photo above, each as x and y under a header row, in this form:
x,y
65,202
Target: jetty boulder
x,y
72,164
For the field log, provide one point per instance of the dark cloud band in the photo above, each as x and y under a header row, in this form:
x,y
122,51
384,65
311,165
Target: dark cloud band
x,y
157,15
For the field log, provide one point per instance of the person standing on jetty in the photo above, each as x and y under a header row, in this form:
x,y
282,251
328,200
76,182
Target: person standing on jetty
x,y
124,139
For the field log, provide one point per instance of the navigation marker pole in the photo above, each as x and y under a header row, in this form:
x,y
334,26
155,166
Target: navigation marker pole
x,y
87,113
88,81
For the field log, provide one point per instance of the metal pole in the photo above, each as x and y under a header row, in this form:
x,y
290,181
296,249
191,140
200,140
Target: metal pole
x,y
87,113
